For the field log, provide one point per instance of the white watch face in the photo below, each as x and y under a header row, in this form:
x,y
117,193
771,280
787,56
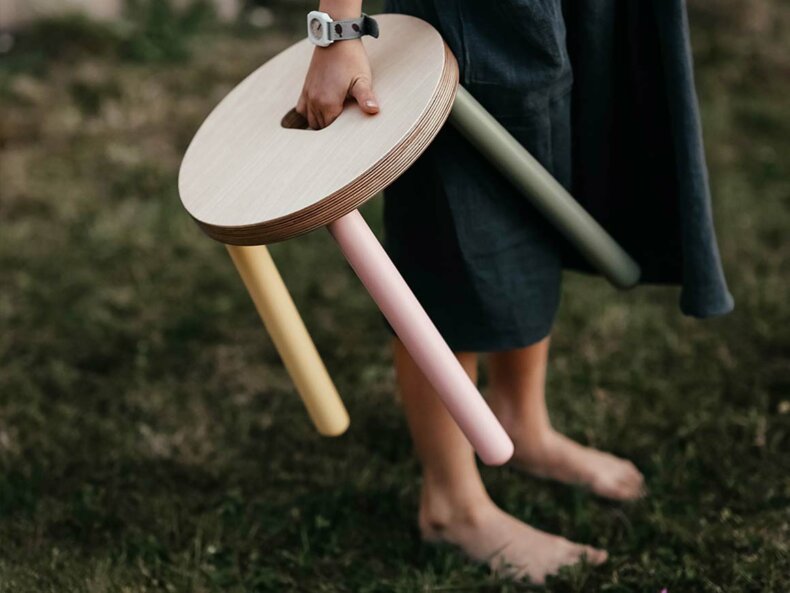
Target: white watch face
x,y
316,28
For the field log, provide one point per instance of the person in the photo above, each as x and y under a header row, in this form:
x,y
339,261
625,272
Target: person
x,y
487,269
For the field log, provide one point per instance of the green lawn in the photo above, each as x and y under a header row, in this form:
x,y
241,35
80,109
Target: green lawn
x,y
150,439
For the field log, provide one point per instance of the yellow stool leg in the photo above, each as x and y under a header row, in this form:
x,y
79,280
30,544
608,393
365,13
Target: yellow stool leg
x,y
289,334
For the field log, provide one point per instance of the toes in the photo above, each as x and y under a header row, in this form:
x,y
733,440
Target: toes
x,y
616,491
627,484
523,572
588,554
638,489
594,555
643,490
565,553
633,484
609,488
633,474
533,579
627,491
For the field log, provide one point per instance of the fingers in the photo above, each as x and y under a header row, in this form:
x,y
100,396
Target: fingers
x,y
312,120
301,105
328,110
319,112
309,110
303,108
362,90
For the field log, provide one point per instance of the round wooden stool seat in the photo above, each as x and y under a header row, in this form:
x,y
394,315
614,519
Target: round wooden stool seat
x,y
247,179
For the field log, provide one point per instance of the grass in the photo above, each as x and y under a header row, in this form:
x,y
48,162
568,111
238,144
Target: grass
x,y
150,439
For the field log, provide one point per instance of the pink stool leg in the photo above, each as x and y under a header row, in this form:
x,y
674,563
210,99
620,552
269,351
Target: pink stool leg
x,y
421,338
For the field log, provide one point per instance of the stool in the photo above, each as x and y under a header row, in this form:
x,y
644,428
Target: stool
x,y
254,175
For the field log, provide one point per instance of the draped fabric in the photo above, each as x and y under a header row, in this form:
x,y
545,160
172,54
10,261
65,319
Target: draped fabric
x,y
602,93
639,163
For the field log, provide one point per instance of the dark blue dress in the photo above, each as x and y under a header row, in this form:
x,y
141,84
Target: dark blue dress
x,y
483,262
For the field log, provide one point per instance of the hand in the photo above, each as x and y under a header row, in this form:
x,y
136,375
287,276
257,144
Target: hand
x,y
336,72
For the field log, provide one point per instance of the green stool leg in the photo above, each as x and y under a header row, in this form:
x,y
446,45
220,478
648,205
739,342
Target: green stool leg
x,y
554,202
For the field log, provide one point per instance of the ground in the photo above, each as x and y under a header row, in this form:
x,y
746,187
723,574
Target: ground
x,y
150,439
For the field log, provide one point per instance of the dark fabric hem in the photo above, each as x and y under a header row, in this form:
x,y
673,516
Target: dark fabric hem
x,y
724,308
489,343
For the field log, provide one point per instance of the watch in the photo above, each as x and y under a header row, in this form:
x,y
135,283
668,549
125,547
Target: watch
x,y
323,31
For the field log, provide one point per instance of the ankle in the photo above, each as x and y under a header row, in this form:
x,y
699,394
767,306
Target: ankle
x,y
530,430
540,448
519,409
446,509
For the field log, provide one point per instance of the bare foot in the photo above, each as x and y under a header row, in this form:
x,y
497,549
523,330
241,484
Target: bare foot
x,y
510,547
557,457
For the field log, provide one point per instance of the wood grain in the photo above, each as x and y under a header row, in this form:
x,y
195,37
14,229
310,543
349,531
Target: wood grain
x,y
247,180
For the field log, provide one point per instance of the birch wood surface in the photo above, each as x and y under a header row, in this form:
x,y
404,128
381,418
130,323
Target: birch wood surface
x,y
247,180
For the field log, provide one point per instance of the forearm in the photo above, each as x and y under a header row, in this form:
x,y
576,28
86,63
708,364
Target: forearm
x,y
337,72
341,9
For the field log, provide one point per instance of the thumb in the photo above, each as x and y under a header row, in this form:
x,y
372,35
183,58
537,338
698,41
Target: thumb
x,y
362,90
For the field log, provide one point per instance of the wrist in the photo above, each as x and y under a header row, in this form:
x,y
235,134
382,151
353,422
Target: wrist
x,y
341,51
341,9
323,30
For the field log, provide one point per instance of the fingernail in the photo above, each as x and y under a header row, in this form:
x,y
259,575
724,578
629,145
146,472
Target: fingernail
x,y
370,103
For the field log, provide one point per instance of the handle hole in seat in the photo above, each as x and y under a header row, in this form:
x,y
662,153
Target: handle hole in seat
x,y
295,121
